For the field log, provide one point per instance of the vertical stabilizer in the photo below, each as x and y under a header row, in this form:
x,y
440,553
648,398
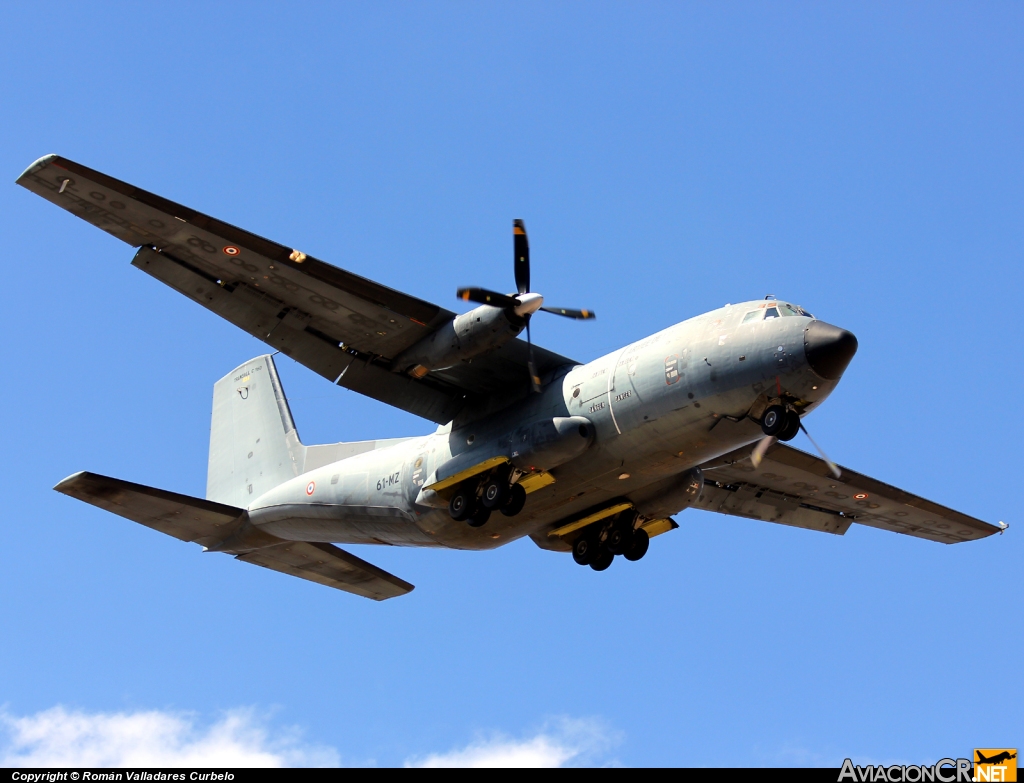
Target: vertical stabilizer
x,y
254,445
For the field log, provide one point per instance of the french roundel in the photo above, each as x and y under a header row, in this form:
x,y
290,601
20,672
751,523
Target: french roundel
x,y
231,250
311,488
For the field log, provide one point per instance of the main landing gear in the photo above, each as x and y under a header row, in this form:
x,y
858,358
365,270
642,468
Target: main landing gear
x,y
779,422
598,545
473,502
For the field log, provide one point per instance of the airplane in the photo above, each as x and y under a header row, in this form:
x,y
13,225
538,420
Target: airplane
x,y
593,459
999,758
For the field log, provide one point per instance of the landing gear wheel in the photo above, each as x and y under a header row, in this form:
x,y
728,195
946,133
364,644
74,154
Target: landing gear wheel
x,y
602,559
792,426
516,501
641,542
620,538
774,420
495,494
462,505
479,517
583,550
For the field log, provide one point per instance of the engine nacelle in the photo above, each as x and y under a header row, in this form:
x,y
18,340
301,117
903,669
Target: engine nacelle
x,y
549,443
685,491
465,337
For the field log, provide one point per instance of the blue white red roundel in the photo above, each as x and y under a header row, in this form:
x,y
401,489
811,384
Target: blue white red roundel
x,y
311,488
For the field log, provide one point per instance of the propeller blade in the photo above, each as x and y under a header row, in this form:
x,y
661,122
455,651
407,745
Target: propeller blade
x,y
579,315
831,465
483,296
521,256
761,449
534,378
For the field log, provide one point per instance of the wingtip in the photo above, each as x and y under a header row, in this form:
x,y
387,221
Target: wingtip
x,y
36,165
64,484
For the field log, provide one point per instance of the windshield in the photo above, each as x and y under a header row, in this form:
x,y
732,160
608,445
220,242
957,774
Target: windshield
x,y
788,309
775,310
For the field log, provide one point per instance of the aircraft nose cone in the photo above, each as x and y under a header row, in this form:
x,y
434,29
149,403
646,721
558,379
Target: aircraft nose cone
x,y
829,349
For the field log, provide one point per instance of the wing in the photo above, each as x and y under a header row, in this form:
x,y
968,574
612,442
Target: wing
x,y
340,325
795,488
212,524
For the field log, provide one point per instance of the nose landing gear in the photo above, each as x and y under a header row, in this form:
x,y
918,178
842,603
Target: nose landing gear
x,y
779,422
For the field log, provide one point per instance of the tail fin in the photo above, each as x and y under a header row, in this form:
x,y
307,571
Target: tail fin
x,y
254,445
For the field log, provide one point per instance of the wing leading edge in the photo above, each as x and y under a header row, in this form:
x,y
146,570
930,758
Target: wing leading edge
x,y
792,487
342,326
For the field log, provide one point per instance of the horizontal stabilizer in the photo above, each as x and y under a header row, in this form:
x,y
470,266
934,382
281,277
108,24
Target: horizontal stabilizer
x,y
182,516
215,524
331,566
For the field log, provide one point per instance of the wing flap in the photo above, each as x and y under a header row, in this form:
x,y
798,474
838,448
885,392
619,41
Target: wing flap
x,y
264,316
328,565
795,488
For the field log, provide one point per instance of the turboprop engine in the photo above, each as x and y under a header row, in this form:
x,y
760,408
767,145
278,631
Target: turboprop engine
x,y
683,491
465,337
501,318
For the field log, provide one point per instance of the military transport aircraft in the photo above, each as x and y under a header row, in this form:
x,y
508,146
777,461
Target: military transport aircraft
x,y
592,459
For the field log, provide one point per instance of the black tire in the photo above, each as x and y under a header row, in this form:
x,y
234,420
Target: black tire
x,y
462,505
516,501
602,559
620,538
774,420
495,493
583,550
792,426
641,543
480,517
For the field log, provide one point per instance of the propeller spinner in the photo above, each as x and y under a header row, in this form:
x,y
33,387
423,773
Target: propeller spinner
x,y
524,303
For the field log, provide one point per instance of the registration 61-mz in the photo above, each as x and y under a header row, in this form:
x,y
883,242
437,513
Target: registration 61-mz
x,y
388,481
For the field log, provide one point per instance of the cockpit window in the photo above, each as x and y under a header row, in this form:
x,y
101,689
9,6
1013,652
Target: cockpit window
x,y
753,315
771,312
788,309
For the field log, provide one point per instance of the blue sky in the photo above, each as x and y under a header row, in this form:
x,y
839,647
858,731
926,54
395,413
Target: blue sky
x,y
863,160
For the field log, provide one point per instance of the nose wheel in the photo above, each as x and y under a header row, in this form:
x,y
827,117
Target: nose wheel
x,y
779,422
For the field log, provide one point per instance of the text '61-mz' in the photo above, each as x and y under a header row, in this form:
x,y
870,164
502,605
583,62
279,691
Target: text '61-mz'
x,y
592,459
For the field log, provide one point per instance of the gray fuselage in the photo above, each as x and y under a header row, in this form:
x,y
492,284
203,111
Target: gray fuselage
x,y
658,407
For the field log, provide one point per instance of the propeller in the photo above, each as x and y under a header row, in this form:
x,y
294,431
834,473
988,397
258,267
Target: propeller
x,y
523,303
757,455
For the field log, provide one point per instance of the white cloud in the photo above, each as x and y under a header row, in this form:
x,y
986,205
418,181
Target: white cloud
x,y
58,737
563,742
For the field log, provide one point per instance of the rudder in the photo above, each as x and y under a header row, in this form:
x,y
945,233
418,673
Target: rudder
x,y
254,445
